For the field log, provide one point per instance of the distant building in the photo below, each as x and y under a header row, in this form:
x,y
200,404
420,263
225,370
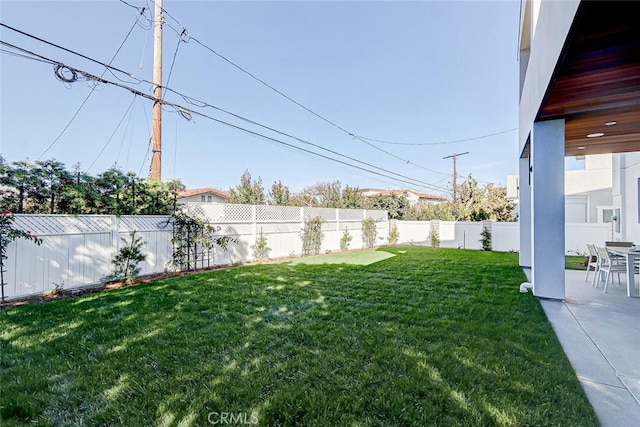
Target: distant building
x,y
413,197
203,195
588,192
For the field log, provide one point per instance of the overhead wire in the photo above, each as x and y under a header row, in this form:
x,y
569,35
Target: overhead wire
x,y
58,69
330,122
187,115
184,37
112,134
124,135
187,112
439,142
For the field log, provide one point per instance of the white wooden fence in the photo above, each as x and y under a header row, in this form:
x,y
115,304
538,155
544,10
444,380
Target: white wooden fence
x,y
505,236
77,250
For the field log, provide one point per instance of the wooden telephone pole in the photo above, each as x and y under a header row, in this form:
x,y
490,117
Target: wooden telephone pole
x,y
156,121
455,173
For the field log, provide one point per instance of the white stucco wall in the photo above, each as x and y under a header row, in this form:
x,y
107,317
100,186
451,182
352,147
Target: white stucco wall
x,y
626,186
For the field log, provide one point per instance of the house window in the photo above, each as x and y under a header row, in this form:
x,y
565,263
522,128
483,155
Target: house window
x,y
203,199
605,213
209,199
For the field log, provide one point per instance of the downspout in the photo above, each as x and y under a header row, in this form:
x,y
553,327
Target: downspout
x,y
525,286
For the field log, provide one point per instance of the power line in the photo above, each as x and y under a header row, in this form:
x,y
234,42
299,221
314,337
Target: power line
x,y
203,104
188,37
92,89
112,134
439,142
335,125
187,113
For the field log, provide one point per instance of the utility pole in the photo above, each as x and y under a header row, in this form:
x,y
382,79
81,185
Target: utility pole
x,y
156,122
455,173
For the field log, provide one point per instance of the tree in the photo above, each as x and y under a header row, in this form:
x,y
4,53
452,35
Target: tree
x,y
248,192
488,203
279,194
52,177
110,185
48,187
396,206
352,198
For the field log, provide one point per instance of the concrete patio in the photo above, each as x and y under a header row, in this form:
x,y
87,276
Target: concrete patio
x,y
600,334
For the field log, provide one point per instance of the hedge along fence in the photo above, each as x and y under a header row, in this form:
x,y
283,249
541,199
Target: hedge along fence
x,y
78,250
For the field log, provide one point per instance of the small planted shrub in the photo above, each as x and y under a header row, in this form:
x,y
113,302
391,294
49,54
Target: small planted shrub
x,y
369,232
486,239
345,240
126,261
394,235
260,248
312,236
435,238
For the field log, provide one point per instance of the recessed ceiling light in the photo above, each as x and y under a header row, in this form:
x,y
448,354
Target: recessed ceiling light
x,y
582,147
611,123
595,135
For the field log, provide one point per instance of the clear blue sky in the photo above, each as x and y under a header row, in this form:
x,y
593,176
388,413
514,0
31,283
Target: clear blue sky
x,y
396,71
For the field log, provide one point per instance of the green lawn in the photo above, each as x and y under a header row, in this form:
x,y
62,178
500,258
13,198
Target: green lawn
x,y
574,262
424,337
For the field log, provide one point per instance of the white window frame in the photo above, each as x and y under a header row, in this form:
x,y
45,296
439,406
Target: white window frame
x,y
601,210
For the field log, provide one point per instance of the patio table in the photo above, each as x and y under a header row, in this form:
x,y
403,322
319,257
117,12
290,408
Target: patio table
x,y
630,254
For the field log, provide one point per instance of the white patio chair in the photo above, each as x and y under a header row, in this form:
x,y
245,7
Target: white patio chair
x,y
605,264
592,261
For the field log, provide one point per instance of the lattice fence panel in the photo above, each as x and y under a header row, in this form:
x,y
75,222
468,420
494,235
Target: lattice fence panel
x,y
377,215
350,215
129,223
214,213
328,214
47,225
277,213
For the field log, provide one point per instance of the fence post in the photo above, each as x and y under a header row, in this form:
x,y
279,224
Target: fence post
x,y
115,234
254,218
337,219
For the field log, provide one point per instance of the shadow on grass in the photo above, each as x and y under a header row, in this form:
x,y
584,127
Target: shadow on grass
x,y
425,337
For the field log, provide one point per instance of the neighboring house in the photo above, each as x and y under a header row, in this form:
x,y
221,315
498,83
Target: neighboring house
x,y
588,192
413,197
579,96
626,196
203,195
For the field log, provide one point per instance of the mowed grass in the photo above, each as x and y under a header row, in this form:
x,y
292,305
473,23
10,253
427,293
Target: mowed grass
x,y
574,262
425,337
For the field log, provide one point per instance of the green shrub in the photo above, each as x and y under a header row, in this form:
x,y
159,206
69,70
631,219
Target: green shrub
x,y
369,232
126,261
435,238
345,240
394,235
486,239
312,236
260,248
